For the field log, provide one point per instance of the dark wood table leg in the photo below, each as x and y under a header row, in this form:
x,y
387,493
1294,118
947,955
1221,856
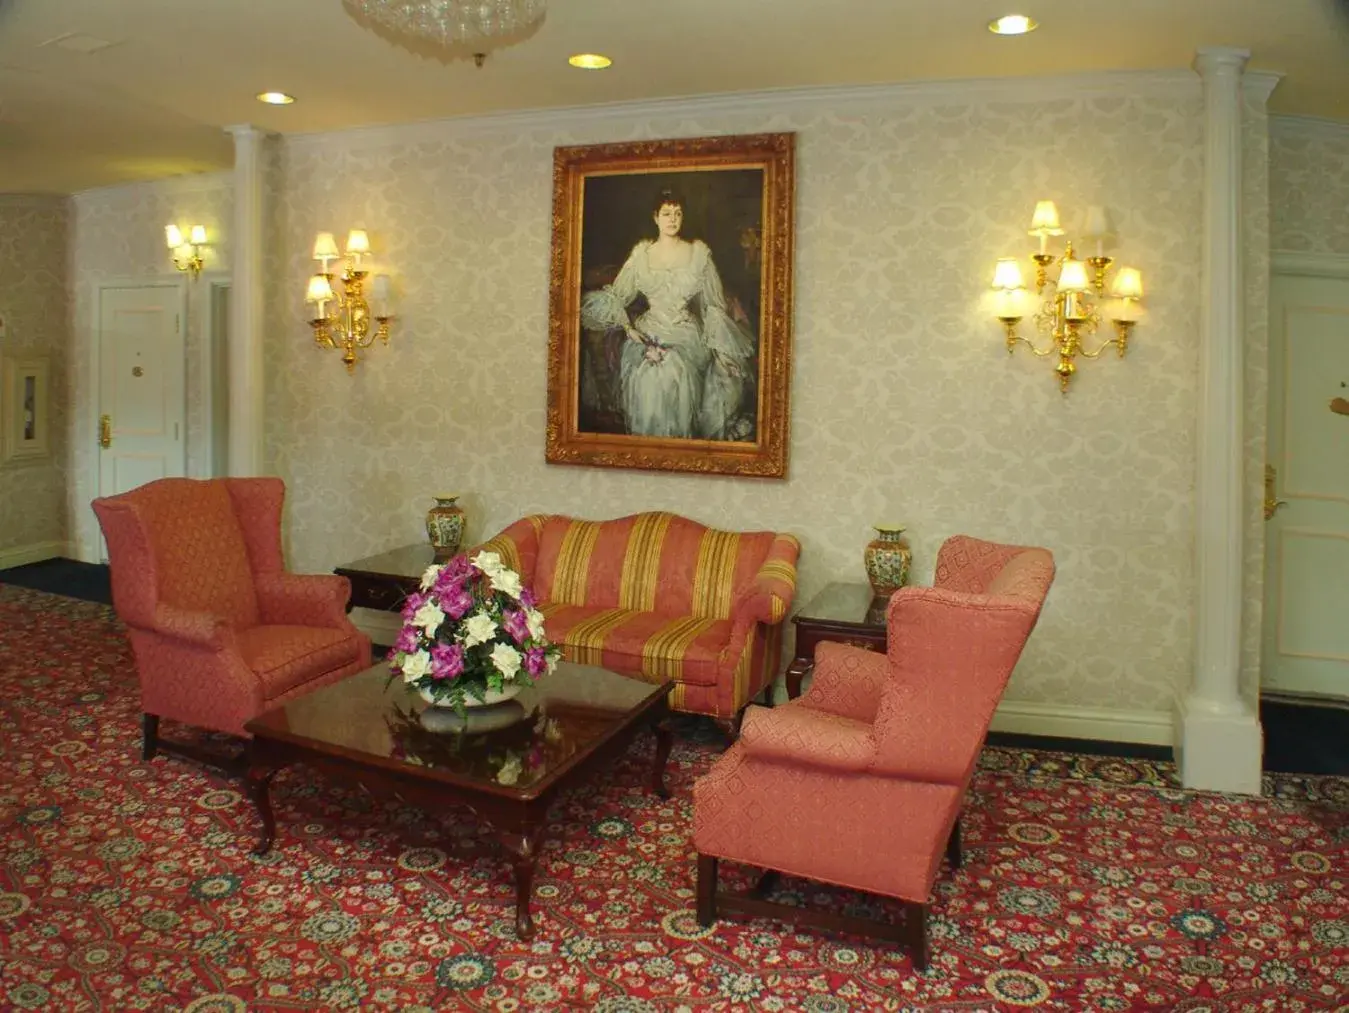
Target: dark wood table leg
x,y
259,779
523,843
797,671
664,742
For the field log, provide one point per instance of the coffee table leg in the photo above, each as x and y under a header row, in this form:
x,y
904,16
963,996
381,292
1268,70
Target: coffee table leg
x,y
524,848
259,787
664,740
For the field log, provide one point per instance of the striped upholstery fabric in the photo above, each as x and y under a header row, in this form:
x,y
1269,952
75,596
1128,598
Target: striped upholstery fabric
x,y
657,596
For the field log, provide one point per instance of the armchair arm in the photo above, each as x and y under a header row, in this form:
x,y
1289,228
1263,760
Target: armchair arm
x,y
847,681
769,595
197,629
295,599
796,734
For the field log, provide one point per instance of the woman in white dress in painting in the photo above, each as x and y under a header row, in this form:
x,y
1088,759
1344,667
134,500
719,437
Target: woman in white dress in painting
x,y
684,364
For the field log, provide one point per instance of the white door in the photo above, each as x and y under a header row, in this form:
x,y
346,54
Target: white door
x,y
1306,629
141,368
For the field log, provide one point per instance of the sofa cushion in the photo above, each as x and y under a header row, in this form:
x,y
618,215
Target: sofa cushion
x,y
650,562
637,643
283,657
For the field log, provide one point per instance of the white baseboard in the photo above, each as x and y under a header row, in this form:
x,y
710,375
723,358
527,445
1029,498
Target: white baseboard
x,y
22,555
1154,728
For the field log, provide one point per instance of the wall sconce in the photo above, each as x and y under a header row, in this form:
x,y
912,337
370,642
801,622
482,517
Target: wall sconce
x,y
342,316
186,252
1078,295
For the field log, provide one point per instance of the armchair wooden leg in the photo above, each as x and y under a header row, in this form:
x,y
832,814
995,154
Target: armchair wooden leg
x,y
707,890
953,852
915,915
149,736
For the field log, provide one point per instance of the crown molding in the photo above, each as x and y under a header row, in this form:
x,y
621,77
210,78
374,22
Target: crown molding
x,y
777,102
32,200
1258,85
195,182
1304,126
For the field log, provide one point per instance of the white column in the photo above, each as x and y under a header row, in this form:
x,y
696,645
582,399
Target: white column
x,y
1219,738
246,297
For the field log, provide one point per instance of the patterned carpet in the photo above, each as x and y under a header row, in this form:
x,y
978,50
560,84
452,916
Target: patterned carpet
x,y
1090,884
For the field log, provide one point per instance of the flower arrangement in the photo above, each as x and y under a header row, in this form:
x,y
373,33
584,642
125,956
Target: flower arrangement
x,y
471,629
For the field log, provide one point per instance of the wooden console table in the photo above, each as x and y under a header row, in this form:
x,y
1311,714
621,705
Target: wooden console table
x,y
383,581
844,613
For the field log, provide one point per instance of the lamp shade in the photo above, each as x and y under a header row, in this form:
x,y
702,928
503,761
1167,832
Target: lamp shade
x,y
173,236
1045,221
1007,275
358,243
198,235
1097,223
325,246
1073,276
1128,284
319,289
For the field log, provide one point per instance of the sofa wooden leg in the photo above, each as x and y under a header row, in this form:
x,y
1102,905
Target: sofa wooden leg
x,y
953,852
707,890
149,736
915,917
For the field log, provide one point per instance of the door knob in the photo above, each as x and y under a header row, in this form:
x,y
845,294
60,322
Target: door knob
x,y
105,431
1272,502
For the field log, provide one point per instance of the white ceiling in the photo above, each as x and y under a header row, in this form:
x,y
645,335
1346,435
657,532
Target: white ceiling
x,y
153,103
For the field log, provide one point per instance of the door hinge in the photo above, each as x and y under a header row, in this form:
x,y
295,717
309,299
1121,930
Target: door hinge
x,y
175,432
177,323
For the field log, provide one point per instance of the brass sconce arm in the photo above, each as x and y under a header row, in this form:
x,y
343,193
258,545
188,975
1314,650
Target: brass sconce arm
x,y
187,252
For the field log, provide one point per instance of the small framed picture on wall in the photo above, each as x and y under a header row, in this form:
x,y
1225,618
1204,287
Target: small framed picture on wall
x,y
26,433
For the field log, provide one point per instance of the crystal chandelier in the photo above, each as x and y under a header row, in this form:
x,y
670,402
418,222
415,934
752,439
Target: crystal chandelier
x,y
451,22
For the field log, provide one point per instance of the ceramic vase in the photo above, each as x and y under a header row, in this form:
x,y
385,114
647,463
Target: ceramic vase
x,y
887,559
445,526
507,692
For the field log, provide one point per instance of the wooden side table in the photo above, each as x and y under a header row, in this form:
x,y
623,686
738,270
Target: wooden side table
x,y
844,613
382,582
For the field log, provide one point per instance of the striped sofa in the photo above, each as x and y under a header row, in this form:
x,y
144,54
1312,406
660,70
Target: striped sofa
x,y
657,596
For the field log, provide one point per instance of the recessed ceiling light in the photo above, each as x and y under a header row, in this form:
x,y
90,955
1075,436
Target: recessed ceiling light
x,y
589,61
275,98
1012,24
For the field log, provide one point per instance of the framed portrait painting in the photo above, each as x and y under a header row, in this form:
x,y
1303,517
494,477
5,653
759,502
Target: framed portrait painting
x,y
670,314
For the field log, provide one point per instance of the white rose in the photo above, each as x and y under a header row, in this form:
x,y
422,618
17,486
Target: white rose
x,y
429,617
534,620
552,663
507,581
507,660
429,577
479,629
415,666
488,562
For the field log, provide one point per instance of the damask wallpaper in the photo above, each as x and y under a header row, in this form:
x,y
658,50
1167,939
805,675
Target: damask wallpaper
x,y
1309,183
905,405
33,276
119,236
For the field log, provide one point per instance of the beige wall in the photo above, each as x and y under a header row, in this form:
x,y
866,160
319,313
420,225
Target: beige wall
x,y
119,237
1309,186
33,287
905,404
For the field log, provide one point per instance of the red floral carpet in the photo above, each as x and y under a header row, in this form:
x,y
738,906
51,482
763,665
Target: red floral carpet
x,y
1089,884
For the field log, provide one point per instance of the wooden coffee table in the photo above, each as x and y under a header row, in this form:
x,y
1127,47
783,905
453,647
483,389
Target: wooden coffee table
x,y
508,765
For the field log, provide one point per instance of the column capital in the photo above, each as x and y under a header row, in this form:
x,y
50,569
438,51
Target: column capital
x,y
1210,60
238,130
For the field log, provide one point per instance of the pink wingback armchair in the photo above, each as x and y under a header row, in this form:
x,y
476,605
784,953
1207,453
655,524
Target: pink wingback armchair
x,y
859,782
220,631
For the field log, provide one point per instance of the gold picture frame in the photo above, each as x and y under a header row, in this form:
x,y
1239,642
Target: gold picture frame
x,y
26,432
670,305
